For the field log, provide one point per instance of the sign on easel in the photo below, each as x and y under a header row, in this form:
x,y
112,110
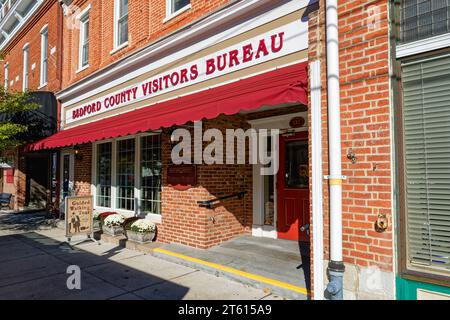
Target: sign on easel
x,y
79,218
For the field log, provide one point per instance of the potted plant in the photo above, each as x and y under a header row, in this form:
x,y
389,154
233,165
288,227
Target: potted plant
x,y
97,225
141,231
128,222
113,225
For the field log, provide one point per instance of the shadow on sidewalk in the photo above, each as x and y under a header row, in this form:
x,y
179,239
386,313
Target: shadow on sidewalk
x,y
34,267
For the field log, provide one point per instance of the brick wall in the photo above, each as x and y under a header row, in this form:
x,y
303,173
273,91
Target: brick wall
x,y
49,15
183,221
83,170
365,112
146,25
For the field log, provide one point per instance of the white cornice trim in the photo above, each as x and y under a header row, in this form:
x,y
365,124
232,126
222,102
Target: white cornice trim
x,y
425,45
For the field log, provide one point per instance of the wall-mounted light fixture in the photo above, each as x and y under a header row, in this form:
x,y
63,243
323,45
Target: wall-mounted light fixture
x,y
77,152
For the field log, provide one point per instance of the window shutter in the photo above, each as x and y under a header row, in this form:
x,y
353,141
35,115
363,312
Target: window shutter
x,y
426,121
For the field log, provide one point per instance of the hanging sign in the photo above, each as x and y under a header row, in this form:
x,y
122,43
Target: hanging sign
x,y
182,177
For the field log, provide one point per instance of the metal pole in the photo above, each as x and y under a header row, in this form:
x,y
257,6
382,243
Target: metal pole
x,y
336,266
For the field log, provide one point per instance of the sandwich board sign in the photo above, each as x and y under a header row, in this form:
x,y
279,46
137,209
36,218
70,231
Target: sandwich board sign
x,y
79,218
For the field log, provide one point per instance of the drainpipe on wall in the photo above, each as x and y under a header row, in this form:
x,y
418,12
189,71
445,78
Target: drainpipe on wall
x,y
336,266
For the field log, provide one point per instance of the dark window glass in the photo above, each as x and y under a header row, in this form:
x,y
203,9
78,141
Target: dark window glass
x,y
151,174
422,19
297,165
179,4
104,160
125,174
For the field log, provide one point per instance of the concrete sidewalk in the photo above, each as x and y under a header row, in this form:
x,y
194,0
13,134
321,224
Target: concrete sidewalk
x,y
34,266
279,266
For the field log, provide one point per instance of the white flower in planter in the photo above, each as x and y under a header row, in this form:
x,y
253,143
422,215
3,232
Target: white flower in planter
x,y
114,220
96,215
143,226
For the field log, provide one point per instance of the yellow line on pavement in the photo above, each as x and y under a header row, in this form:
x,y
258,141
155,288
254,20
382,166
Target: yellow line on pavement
x,y
280,284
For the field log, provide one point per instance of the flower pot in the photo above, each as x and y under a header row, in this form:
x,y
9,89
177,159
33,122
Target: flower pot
x,y
141,238
113,231
97,225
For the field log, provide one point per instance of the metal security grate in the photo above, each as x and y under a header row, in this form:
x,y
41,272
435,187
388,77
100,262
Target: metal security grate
x,y
422,19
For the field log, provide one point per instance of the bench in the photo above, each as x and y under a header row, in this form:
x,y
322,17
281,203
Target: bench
x,y
5,200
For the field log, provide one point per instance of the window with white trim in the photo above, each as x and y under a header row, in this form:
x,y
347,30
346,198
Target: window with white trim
x,y
6,77
26,52
84,41
104,175
44,57
121,22
426,143
173,6
150,175
125,173
128,173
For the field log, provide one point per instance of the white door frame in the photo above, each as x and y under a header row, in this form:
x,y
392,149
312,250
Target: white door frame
x,y
64,153
258,227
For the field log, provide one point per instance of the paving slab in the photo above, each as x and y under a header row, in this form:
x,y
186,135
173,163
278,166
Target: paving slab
x,y
29,268
17,250
127,297
55,287
200,286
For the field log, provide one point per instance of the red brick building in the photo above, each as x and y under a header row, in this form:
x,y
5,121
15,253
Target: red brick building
x,y
134,73
31,46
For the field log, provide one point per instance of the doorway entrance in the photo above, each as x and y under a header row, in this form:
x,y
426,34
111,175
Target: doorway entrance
x,y
67,174
293,188
38,177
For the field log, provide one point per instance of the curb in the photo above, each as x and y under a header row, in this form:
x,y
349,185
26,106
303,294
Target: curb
x,y
269,285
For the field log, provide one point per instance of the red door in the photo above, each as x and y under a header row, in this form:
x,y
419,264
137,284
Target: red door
x,y
293,187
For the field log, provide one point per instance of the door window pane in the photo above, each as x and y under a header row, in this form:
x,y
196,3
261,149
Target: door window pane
x,y
151,174
269,191
104,160
297,165
66,176
125,174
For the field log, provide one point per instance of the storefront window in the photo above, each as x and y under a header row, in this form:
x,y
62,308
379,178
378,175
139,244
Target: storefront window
x,y
426,118
104,166
125,174
151,174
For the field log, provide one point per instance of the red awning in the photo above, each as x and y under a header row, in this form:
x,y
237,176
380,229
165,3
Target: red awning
x,y
284,85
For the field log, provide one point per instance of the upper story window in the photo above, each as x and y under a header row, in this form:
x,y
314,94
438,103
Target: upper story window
x,y
44,57
421,19
25,67
121,22
6,77
84,41
177,6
